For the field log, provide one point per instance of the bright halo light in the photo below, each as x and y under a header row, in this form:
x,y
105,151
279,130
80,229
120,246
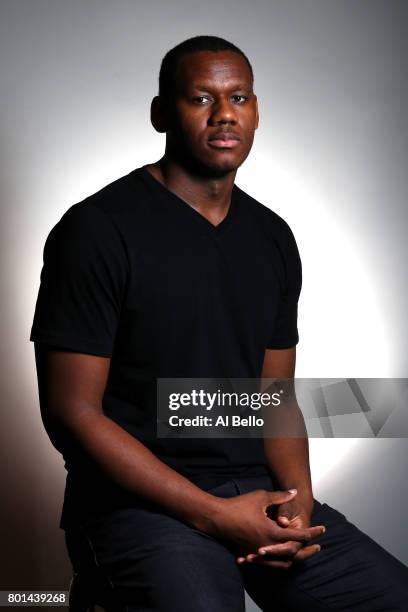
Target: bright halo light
x,y
342,326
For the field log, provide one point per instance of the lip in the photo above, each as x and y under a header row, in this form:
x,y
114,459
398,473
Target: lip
x,y
224,140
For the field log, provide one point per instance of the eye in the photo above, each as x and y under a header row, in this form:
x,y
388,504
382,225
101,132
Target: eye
x,y
201,99
239,99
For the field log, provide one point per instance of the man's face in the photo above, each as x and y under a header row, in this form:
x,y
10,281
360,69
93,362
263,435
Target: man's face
x,y
214,114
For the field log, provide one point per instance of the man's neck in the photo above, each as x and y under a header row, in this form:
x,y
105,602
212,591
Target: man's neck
x,y
210,196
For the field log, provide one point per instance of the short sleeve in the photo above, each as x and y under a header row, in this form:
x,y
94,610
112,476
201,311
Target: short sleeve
x,y
285,332
82,283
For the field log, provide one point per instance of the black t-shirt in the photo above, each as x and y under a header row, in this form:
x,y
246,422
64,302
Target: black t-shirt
x,y
134,273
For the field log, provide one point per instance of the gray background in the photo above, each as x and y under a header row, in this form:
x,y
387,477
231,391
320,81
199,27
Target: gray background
x,y
330,156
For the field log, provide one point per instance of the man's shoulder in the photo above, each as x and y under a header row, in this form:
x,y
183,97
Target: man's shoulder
x,y
124,195
103,213
262,214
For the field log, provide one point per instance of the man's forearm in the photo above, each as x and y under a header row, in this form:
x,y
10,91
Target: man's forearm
x,y
288,459
133,466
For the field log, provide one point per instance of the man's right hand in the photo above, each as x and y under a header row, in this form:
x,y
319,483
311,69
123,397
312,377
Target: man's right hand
x,y
243,522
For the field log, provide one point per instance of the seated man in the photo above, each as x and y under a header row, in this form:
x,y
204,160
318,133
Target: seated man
x,y
174,272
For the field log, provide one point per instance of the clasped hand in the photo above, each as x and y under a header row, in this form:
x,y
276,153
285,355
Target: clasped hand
x,y
294,514
243,522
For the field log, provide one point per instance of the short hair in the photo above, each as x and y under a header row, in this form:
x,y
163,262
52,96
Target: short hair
x,y
170,62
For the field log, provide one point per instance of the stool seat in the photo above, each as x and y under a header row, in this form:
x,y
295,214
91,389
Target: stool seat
x,y
84,595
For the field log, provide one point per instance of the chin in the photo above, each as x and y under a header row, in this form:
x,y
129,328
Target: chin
x,y
225,162
224,166
220,165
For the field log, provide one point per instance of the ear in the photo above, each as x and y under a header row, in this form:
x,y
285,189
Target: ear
x,y
257,113
158,115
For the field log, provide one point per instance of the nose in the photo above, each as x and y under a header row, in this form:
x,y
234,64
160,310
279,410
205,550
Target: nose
x,y
223,111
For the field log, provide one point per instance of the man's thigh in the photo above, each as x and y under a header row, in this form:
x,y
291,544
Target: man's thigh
x,y
145,561
351,572
150,561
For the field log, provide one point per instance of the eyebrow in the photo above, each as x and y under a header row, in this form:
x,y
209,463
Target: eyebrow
x,y
202,87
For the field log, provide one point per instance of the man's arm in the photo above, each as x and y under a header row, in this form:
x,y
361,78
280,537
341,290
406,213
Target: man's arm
x,y
71,387
288,458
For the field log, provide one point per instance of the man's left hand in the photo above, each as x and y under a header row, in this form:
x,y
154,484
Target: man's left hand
x,y
295,514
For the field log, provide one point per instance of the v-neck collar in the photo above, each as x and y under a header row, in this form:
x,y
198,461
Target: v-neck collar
x,y
156,184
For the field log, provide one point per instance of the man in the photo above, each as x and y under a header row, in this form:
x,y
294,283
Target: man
x,y
174,272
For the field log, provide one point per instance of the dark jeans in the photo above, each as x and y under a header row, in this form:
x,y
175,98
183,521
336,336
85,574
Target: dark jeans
x,y
144,560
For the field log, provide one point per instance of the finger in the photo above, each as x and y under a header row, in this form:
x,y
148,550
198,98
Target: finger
x,y
287,548
306,552
283,519
299,535
280,497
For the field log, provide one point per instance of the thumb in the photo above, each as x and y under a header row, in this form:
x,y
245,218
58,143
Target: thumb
x,y
284,515
280,497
